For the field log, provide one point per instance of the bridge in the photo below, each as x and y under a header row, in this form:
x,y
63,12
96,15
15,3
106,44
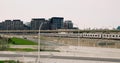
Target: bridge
x,y
63,30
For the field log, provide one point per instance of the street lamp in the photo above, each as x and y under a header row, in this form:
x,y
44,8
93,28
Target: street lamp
x,y
78,38
38,60
78,35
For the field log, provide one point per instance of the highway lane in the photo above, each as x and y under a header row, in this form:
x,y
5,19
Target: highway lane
x,y
64,57
48,43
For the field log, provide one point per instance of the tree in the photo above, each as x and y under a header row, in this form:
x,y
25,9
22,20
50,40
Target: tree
x,y
3,44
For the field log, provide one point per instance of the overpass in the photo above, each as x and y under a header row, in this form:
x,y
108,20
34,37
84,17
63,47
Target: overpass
x,y
56,31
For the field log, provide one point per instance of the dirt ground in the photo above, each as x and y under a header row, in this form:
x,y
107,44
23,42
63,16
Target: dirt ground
x,y
86,42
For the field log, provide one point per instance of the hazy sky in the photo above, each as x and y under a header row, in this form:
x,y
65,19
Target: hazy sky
x,y
84,13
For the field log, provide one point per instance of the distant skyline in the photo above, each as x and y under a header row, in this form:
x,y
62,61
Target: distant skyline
x,y
84,13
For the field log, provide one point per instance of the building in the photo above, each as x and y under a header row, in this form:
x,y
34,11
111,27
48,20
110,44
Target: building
x,y
36,22
51,24
118,28
1,27
56,23
46,25
17,25
27,26
12,25
68,24
6,25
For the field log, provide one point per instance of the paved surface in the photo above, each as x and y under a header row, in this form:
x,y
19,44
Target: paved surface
x,y
49,60
69,54
63,57
48,43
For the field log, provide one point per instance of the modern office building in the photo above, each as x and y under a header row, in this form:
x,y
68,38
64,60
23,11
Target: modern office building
x,y
36,22
68,24
17,25
12,25
1,27
56,23
46,25
6,25
51,24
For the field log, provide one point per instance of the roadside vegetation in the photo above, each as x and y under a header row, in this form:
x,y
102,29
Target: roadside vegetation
x,y
3,43
21,49
6,43
20,41
50,50
9,61
29,50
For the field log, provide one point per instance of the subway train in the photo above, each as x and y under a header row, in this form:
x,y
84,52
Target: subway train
x,y
84,35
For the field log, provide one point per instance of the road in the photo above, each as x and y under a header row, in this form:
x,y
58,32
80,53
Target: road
x,y
48,43
64,57
97,54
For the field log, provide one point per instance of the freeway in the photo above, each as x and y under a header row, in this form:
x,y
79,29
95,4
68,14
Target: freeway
x,y
64,57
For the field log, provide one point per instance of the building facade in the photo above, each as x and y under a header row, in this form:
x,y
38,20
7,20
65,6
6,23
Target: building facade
x,y
56,23
68,24
12,25
6,25
36,22
17,25
51,24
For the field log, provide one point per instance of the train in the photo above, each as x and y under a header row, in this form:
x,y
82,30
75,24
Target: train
x,y
84,35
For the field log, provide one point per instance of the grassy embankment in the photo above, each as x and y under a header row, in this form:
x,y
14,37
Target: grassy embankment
x,y
9,61
29,50
20,41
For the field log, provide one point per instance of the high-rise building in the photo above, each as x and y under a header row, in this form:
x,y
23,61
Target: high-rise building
x,y
46,25
51,24
1,27
36,22
68,24
56,23
12,25
6,25
17,25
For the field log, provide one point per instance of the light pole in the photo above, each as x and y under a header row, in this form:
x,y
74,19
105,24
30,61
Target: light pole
x,y
78,38
78,35
38,60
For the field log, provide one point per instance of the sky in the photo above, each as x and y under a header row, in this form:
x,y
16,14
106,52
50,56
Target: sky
x,y
83,13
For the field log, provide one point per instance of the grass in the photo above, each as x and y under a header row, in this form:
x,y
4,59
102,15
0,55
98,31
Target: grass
x,y
20,41
29,49
9,61
21,49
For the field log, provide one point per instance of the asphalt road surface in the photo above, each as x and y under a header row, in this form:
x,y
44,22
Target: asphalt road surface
x,y
64,57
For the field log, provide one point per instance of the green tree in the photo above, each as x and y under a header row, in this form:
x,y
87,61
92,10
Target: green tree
x,y
3,43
